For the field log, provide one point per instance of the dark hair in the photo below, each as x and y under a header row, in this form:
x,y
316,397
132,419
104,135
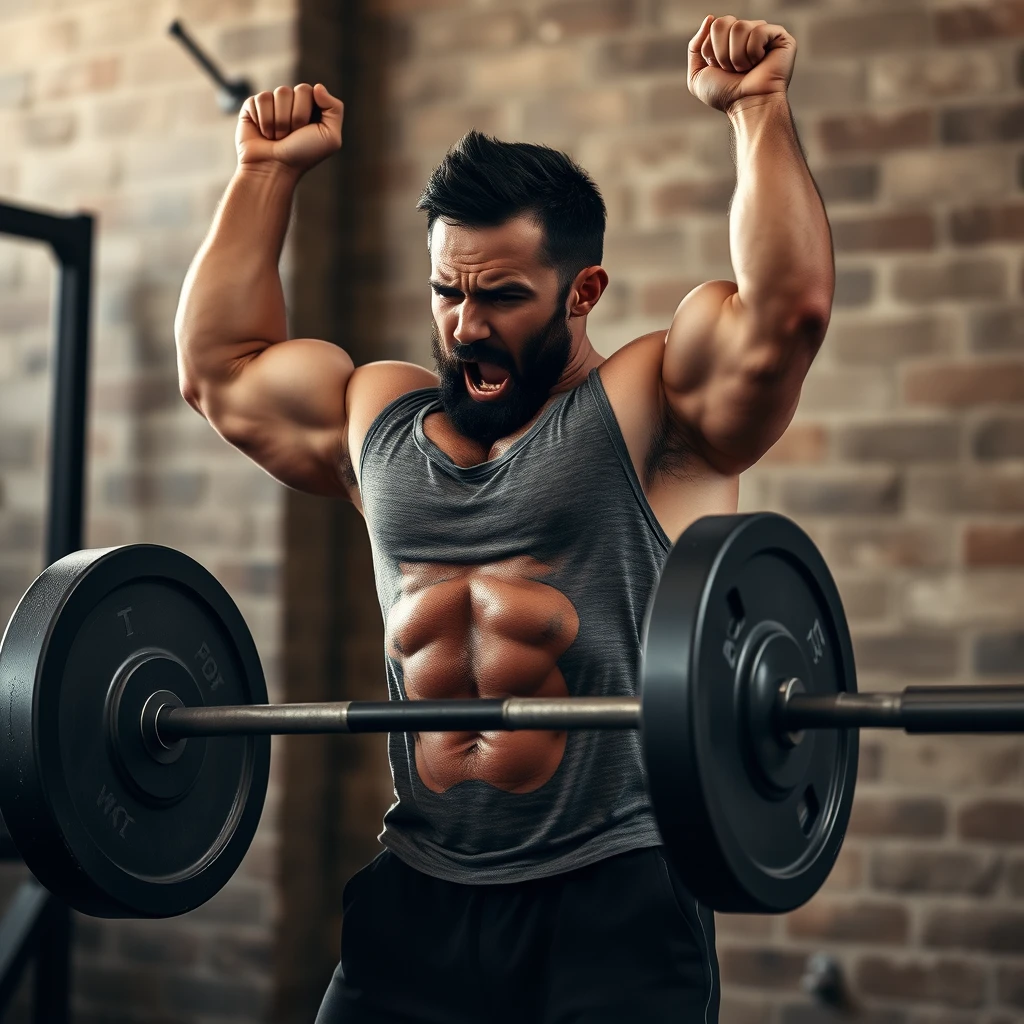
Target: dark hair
x,y
483,182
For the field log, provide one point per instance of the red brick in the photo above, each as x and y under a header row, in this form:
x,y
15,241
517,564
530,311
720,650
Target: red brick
x,y
801,443
993,544
811,1013
934,74
971,23
91,75
744,926
926,655
740,1011
835,86
994,821
579,18
761,968
864,34
877,133
56,128
976,929
999,654
858,495
855,286
160,945
864,600
884,233
247,42
899,441
179,488
886,546
1010,985
960,385
957,279
950,982
966,490
997,330
672,101
693,196
644,55
916,870
847,182
861,921
1015,877
864,339
981,224
1001,437
877,816
982,123
848,870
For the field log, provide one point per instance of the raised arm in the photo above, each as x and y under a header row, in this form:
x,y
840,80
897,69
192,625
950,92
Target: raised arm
x,y
736,354
280,401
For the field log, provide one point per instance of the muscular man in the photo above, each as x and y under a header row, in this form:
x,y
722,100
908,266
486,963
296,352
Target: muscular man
x,y
520,500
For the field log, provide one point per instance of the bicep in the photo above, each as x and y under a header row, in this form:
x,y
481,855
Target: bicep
x,y
732,384
285,408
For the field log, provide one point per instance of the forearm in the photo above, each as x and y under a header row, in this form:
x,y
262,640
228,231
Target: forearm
x,y
779,234
232,302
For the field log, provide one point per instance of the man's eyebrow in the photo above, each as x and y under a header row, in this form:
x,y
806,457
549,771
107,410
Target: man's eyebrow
x,y
512,288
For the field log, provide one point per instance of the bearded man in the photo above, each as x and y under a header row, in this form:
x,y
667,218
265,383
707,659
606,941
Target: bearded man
x,y
521,500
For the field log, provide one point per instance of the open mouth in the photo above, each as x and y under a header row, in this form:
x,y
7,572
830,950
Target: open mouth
x,y
486,381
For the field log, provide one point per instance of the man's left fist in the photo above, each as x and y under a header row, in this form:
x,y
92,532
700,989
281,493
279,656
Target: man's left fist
x,y
733,63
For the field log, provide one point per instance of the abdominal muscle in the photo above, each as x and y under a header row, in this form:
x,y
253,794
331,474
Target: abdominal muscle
x,y
492,631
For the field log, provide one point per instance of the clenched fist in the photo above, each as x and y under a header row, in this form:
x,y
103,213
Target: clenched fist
x,y
732,62
279,127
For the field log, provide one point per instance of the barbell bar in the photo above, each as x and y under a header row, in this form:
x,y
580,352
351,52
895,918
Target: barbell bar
x,y
137,727
915,709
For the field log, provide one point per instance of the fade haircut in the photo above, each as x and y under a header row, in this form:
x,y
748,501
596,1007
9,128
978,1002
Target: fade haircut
x,y
483,182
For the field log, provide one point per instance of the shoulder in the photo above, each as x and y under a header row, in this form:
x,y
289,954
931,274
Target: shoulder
x,y
371,389
631,377
657,442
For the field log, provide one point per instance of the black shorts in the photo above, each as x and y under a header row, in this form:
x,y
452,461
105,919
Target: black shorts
x,y
617,942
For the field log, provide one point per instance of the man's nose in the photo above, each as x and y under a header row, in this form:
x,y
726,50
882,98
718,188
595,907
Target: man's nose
x,y
471,325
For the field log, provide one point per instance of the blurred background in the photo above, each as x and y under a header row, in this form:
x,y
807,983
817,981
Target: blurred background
x,y
905,461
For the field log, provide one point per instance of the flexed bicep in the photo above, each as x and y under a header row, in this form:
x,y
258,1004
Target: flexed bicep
x,y
731,384
285,407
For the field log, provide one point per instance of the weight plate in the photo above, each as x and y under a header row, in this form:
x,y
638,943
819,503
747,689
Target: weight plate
x,y
752,818
112,833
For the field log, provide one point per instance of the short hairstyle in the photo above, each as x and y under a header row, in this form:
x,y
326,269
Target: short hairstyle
x,y
483,182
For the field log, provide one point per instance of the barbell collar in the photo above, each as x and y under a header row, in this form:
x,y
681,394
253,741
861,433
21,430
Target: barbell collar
x,y
917,709
477,715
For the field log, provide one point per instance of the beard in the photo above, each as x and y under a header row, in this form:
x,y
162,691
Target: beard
x,y
544,357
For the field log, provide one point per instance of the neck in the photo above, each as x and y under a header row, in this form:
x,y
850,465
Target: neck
x,y
583,358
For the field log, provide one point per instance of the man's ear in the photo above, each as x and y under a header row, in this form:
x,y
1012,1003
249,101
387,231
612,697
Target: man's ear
x,y
586,290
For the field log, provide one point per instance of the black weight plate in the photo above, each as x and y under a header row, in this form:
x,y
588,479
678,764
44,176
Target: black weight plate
x,y
105,845
752,825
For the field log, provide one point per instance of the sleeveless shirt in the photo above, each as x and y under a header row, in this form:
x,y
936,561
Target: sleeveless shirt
x,y
566,494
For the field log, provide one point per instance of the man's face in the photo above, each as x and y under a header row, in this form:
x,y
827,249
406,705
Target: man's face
x,y
500,336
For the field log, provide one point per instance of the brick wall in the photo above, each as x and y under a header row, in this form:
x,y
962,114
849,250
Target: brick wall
x,y
101,110
906,460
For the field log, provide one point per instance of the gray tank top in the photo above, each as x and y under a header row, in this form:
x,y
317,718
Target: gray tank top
x,y
566,495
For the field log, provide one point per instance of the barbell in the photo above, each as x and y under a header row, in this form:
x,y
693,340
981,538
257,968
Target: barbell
x,y
136,753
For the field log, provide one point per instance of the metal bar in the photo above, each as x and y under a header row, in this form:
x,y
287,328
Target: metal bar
x,y
52,1001
19,932
178,30
70,390
921,709
71,238
401,716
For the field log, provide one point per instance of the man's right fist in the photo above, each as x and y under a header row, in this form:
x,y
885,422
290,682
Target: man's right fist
x,y
276,127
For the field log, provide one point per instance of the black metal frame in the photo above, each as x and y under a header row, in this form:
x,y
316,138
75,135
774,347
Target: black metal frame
x,y
36,925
